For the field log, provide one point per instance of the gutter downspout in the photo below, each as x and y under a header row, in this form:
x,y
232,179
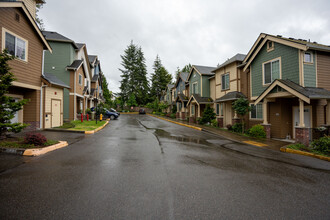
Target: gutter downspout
x,y
41,90
74,97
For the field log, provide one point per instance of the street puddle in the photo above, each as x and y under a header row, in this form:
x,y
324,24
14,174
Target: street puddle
x,y
164,134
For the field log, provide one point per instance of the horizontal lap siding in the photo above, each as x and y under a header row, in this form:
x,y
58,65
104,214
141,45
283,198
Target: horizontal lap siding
x,y
323,70
26,72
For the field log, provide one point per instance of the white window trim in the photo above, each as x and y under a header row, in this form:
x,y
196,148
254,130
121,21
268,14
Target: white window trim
x,y
4,31
256,119
263,70
312,60
192,88
80,81
192,107
224,83
272,47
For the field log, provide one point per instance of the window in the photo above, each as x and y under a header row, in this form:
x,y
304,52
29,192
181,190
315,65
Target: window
x,y
80,79
221,109
225,81
256,111
218,109
270,46
16,46
308,58
192,110
180,106
194,88
271,71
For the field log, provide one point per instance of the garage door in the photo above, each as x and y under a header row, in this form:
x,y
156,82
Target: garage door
x,y
56,113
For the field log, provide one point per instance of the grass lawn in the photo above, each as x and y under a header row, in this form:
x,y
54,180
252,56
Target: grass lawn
x,y
86,125
302,147
19,143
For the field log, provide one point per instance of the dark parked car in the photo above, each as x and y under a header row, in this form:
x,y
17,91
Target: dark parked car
x,y
111,115
114,110
142,111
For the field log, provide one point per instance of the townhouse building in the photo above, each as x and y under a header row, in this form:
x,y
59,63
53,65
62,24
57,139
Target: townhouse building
x,y
168,97
182,94
289,87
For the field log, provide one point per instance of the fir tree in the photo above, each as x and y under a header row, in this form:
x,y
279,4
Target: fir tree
x,y
106,92
134,75
39,21
8,106
159,79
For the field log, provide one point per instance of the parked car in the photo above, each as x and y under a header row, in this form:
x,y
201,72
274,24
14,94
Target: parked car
x,y
111,115
114,110
142,111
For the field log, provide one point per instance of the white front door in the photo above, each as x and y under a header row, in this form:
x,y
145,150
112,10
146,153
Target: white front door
x,y
307,117
56,113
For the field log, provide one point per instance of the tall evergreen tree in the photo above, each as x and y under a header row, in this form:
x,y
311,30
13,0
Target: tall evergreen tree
x,y
159,79
106,92
134,75
187,68
8,106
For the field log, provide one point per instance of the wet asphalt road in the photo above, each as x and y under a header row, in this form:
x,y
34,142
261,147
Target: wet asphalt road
x,y
140,167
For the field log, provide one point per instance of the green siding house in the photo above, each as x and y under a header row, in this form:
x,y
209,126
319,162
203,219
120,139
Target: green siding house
x,y
289,86
199,90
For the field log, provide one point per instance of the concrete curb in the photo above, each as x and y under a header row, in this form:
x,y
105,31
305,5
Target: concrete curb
x,y
97,129
34,151
63,130
189,126
292,151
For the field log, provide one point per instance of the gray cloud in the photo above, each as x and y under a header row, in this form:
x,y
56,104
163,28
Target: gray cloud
x,y
181,31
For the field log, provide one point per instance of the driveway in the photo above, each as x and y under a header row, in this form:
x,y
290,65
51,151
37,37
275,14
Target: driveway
x,y
140,167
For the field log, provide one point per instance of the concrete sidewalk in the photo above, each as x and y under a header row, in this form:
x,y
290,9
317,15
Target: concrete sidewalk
x,y
265,143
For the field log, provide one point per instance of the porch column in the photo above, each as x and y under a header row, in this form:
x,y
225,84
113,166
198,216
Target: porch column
x,y
199,111
265,111
328,112
301,114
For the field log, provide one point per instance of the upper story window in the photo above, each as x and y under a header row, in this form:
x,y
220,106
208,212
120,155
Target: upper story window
x,y
225,81
256,111
80,79
16,46
270,46
308,57
194,88
271,71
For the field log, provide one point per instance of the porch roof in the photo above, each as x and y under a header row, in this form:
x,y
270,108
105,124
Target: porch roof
x,y
231,96
304,93
75,65
200,100
52,79
182,98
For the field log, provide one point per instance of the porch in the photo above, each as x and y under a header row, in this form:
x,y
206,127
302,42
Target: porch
x,y
196,106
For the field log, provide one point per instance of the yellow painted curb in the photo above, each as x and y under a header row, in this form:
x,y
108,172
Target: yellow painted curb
x,y
40,151
97,129
292,151
175,122
255,143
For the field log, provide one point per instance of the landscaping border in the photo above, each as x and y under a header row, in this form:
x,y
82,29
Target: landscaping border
x,y
34,151
292,151
97,129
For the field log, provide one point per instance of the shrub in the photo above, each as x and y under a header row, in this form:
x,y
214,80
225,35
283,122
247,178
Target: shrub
x,y
200,121
214,123
88,111
173,115
237,128
257,131
208,115
36,139
229,127
322,145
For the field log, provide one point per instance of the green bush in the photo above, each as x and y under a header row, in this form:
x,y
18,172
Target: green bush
x,y
322,145
208,115
214,123
257,131
237,128
173,115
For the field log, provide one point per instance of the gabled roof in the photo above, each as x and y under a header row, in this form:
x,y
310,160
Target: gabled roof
x,y
52,79
30,19
54,36
75,65
95,78
202,70
183,76
200,100
304,93
92,59
231,96
237,58
79,45
296,43
170,86
182,98
85,90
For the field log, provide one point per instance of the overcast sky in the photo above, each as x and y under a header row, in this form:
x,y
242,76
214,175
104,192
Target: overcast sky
x,y
200,32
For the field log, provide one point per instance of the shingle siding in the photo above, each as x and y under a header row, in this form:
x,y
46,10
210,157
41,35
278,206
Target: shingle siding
x,y
310,74
289,65
192,80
